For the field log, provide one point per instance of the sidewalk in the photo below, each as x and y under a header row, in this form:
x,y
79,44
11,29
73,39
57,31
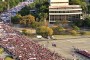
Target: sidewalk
x,y
61,37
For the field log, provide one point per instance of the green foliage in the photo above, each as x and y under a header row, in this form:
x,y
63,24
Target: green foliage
x,y
88,8
80,2
27,20
24,11
16,19
83,23
37,24
8,58
1,50
24,31
11,3
76,28
41,9
44,31
73,32
87,21
82,33
59,30
78,23
3,6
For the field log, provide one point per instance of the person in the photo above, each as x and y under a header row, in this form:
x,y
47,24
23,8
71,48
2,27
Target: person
x,y
53,44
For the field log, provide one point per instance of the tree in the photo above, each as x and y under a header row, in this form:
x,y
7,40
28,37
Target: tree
x,y
73,32
87,21
63,22
80,2
24,11
16,19
76,28
3,6
89,8
10,3
13,3
44,31
43,17
41,9
27,20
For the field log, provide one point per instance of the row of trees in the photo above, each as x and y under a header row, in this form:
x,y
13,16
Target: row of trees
x,y
33,18
85,6
8,3
40,7
3,6
86,10
80,2
27,21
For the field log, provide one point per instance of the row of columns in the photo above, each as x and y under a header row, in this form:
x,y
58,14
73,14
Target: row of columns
x,y
63,17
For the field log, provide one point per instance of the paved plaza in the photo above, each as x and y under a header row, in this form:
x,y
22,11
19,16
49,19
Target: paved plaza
x,y
65,46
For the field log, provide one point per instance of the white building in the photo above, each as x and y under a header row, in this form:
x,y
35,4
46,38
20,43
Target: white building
x,y
61,10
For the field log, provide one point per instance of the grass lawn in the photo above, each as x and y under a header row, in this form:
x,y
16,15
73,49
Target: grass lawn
x,y
65,36
87,32
1,50
8,58
4,55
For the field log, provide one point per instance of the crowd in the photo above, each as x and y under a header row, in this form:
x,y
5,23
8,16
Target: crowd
x,y
83,52
22,48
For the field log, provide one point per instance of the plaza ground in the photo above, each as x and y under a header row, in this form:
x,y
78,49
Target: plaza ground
x,y
65,44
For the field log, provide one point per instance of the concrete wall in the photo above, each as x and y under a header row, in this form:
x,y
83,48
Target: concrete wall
x,y
59,0
59,4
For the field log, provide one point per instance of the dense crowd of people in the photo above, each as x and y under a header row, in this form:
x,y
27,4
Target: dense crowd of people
x,y
82,52
24,48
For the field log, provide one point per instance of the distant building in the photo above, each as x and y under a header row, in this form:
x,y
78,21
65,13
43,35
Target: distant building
x,y
61,10
88,1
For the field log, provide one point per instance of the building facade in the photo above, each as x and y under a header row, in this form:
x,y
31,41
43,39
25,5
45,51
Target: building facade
x,y
61,10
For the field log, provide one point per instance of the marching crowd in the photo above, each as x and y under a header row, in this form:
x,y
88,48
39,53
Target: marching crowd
x,y
22,47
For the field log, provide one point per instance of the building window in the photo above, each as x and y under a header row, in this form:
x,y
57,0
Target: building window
x,y
73,11
52,18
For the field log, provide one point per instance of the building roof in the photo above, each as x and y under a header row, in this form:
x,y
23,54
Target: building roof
x,y
66,6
